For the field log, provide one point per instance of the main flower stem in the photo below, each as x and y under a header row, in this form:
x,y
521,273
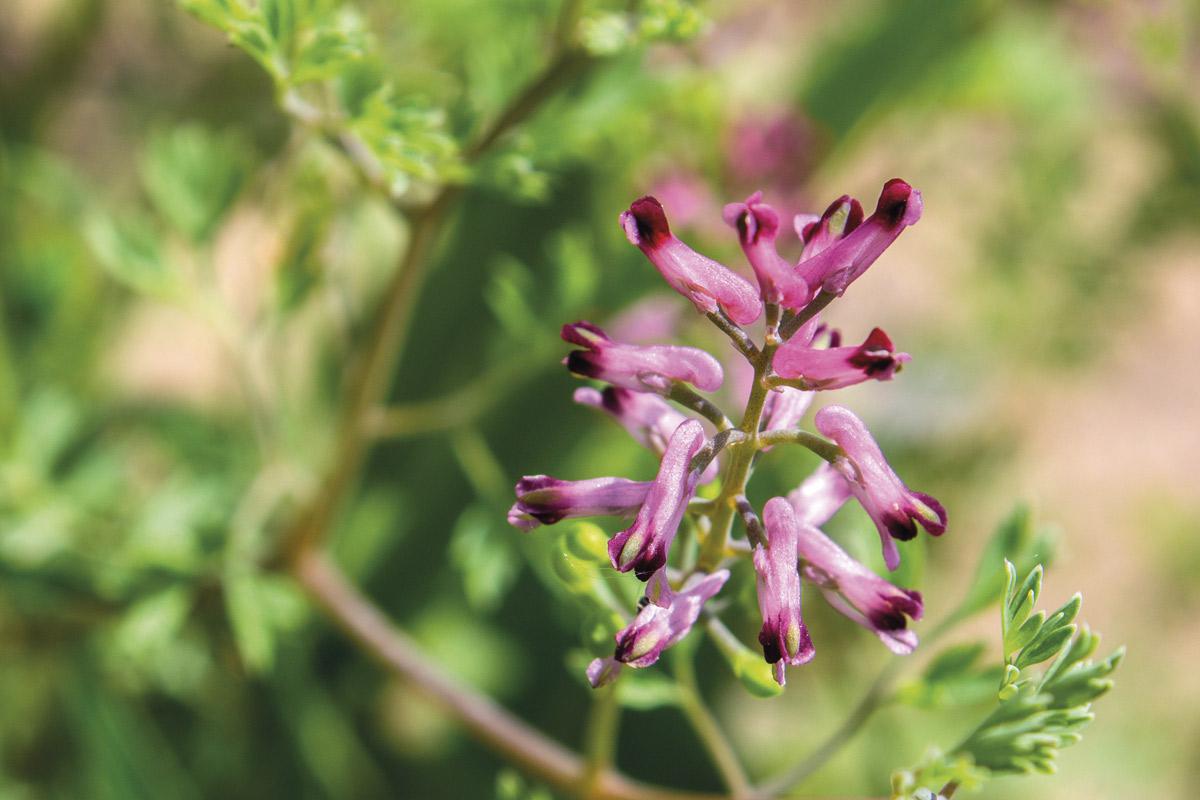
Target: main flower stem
x,y
737,468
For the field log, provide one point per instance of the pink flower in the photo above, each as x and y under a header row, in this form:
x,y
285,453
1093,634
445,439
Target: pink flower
x,y
663,621
837,265
649,419
820,233
757,225
820,496
642,368
838,367
894,508
542,500
858,593
706,283
784,637
643,546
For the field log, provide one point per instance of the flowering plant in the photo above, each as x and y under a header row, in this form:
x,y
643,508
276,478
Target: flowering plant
x,y
682,540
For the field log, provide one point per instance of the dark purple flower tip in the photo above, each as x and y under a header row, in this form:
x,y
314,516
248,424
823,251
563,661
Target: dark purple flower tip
x,y
583,363
877,356
929,512
645,223
584,334
891,609
899,203
786,638
844,205
752,219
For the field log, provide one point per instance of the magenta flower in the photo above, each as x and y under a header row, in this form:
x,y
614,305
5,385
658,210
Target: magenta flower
x,y
838,367
820,233
757,225
820,496
784,636
649,419
542,500
642,368
698,278
860,594
643,546
662,622
836,266
895,509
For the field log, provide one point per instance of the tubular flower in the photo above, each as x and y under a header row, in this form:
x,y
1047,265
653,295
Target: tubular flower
x,y
649,368
894,508
663,621
542,500
860,594
838,265
698,278
784,637
649,419
820,233
643,546
838,367
757,225
820,496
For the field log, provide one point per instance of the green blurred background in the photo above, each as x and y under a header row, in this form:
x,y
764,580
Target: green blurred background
x,y
183,271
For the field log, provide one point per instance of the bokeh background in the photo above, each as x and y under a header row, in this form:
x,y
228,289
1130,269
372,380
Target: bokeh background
x,y
182,271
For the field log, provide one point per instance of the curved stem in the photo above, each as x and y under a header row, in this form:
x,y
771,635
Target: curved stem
x,y
822,447
600,739
492,725
789,328
872,701
875,697
689,399
741,340
709,730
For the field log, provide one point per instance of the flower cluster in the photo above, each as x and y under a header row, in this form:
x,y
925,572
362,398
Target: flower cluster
x,y
797,356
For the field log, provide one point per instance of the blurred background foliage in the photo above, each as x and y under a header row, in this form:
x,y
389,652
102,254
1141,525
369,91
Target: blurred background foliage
x,y
187,258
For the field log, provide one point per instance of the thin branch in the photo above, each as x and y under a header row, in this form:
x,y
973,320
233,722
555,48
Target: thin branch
x,y
492,725
741,340
789,327
693,401
456,408
875,697
822,447
754,526
709,730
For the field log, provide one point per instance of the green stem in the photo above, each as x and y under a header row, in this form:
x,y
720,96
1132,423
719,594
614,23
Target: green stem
x,y
709,730
689,399
737,468
600,739
789,328
822,447
876,697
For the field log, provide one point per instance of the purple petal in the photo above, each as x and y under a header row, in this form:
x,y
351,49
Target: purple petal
x,y
892,506
640,368
705,282
643,546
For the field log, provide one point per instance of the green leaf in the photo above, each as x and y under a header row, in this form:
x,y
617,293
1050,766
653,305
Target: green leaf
x,y
481,548
192,177
1012,540
129,250
251,626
